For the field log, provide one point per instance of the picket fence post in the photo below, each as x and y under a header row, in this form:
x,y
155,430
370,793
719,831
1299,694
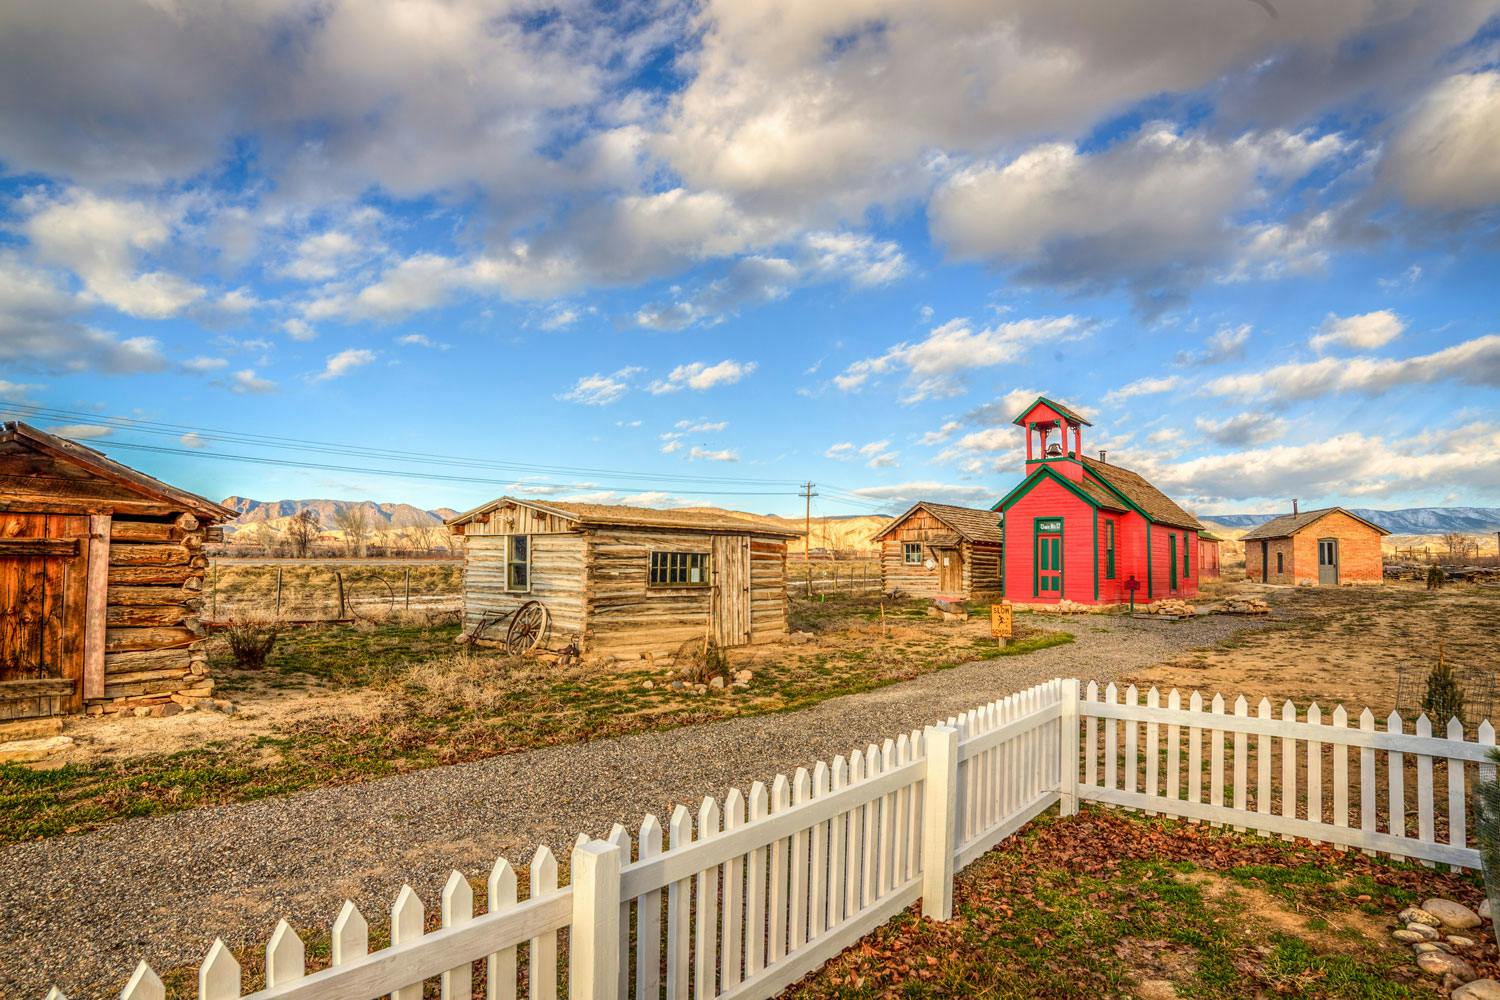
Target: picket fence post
x,y
594,935
939,821
1068,749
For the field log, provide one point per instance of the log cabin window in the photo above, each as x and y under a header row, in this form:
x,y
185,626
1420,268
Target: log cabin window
x,y
679,569
1109,550
911,553
518,563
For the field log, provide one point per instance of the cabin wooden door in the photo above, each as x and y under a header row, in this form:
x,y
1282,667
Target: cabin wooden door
x,y
950,572
43,589
730,560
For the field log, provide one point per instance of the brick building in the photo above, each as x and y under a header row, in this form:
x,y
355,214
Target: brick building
x,y
1315,548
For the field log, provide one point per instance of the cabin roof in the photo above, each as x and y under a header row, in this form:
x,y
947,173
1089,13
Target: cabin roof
x,y
971,524
99,464
599,514
1290,524
1134,487
1065,411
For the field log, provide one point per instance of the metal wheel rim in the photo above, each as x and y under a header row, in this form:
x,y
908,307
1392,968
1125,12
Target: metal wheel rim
x,y
527,628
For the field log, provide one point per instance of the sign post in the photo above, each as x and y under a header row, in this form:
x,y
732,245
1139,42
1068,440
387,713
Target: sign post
x,y
1002,623
1131,586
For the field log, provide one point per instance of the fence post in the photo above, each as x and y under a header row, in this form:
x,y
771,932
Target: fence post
x,y
939,820
594,936
1068,749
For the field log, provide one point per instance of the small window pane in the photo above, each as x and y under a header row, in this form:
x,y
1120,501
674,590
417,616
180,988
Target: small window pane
x,y
913,553
678,569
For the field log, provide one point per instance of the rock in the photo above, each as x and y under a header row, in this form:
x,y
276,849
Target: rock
x,y
744,675
1453,915
1440,964
140,712
648,685
1407,937
1484,909
1424,947
1417,915
225,705
801,638
1479,989
717,683
678,685
699,688
1459,941
741,684
27,751
1426,932
33,729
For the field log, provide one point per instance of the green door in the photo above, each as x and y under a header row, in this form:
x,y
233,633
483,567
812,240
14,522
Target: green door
x,y
1049,567
1172,558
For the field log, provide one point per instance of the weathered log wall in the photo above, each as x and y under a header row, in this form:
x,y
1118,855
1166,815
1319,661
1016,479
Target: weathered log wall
x,y
557,581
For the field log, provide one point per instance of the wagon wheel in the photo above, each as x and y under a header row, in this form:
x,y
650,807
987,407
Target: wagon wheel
x,y
528,628
390,599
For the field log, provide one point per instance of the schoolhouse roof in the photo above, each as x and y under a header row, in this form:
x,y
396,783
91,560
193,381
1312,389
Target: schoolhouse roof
x,y
1290,524
1134,487
1056,406
971,525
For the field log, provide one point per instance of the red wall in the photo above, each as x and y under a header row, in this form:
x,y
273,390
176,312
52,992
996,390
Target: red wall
x,y
1049,499
1161,580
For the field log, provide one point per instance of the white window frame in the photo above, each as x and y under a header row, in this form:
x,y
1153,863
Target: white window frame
x,y
508,562
907,548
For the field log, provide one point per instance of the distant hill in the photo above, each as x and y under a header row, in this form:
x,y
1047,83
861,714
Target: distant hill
x,y
264,520
1410,521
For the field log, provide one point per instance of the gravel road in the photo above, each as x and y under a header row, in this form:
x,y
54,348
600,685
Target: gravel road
x,y
78,912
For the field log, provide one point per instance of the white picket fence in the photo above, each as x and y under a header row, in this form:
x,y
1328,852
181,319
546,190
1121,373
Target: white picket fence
x,y
766,887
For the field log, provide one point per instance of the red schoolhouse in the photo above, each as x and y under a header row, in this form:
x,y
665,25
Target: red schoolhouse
x,y
1078,528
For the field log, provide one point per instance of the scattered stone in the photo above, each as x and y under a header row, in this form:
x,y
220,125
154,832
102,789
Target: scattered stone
x,y
744,675
141,711
648,685
1245,606
801,638
1363,897
31,729
741,684
1417,915
1455,915
717,683
1484,909
1479,989
28,751
1425,947
1459,941
1407,937
1426,932
1440,963
700,688
678,685
225,705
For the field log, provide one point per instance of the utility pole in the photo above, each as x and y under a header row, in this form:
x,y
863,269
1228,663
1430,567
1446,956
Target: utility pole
x,y
807,495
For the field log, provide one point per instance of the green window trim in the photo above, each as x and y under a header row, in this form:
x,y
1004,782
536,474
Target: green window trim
x,y
1109,550
1186,571
1171,561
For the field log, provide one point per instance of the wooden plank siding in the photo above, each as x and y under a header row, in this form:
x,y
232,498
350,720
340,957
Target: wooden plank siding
x,y
768,597
626,616
557,580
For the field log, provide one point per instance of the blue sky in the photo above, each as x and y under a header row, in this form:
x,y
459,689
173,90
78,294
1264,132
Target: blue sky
x,y
699,253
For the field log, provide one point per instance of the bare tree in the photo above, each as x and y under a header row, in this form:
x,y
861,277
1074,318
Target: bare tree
x,y
1457,543
302,532
354,522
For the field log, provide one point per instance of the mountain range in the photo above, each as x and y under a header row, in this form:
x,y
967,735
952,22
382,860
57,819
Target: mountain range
x,y
1410,521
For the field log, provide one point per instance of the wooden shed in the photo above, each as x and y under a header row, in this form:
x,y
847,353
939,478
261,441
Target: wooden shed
x,y
1209,555
625,580
1315,548
938,550
101,568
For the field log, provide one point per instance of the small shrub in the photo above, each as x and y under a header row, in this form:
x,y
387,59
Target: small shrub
x,y
1444,699
699,662
251,641
1436,578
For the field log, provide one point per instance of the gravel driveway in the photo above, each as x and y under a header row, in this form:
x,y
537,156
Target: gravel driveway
x,y
78,912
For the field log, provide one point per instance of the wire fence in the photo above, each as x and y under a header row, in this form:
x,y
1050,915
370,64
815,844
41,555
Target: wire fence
x,y
316,592
1477,683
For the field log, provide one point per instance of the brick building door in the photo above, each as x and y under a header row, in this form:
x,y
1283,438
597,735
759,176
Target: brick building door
x,y
1328,562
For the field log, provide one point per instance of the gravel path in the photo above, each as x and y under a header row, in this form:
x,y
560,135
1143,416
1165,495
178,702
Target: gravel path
x,y
78,912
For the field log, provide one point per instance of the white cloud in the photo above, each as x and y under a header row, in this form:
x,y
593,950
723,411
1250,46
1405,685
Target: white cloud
x,y
901,495
863,260
1001,412
560,317
720,455
16,390
701,426
1149,386
420,340
239,301
1364,332
246,383
1228,344
203,364
940,435
601,390
325,255
299,329
671,444
344,362
841,451
1446,153
192,440
749,282
99,239
1473,362
81,432
701,376
936,365
1155,212
1241,429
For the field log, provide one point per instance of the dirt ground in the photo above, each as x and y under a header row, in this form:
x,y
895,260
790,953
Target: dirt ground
x,y
1359,646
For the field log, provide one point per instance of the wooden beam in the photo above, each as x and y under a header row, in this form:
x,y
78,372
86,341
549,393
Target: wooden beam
x,y
45,548
95,604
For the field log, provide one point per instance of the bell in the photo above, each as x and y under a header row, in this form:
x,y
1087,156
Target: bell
x,y
1054,450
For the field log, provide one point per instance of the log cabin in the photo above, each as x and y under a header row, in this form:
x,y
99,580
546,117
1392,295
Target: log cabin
x,y
101,574
624,581
939,550
1089,531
